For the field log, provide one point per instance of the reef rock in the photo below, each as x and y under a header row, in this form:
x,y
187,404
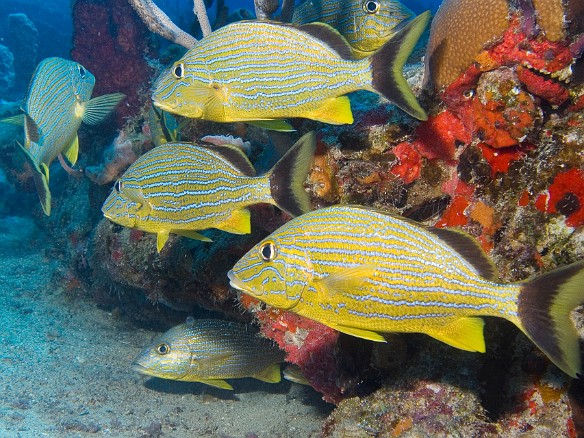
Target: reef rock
x,y
23,41
7,74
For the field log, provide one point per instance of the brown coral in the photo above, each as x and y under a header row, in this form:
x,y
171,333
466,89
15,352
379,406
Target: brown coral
x,y
460,30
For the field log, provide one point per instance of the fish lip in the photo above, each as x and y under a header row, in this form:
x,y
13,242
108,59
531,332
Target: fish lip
x,y
135,366
236,283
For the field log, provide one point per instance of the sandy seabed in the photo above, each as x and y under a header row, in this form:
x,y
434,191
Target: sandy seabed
x,y
64,368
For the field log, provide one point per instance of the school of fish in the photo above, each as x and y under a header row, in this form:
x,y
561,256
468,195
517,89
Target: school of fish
x,y
358,270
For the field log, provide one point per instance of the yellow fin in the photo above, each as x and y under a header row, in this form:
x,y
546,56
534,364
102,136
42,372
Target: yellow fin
x,y
191,234
344,281
209,103
358,333
17,120
269,374
217,383
98,108
336,111
72,151
161,238
238,223
273,125
464,333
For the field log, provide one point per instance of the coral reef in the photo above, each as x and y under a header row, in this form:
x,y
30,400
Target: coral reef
x,y
111,41
6,70
22,40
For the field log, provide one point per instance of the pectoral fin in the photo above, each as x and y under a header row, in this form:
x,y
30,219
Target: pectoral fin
x,y
17,120
464,333
216,383
192,235
336,111
270,374
238,223
98,108
273,125
358,333
72,151
344,282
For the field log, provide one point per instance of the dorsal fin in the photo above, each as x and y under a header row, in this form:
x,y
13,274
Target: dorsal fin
x,y
469,249
234,155
330,36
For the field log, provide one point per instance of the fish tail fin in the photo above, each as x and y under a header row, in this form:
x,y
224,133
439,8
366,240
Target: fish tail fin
x,y
40,175
387,64
288,175
544,307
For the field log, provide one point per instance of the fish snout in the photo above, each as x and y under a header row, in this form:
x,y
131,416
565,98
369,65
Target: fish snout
x,y
238,284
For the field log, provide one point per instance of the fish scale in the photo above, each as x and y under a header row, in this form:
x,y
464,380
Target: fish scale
x,y
365,272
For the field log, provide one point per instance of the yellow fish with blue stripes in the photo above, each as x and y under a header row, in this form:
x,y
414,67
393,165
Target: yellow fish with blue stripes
x,y
210,351
183,188
57,101
365,24
364,272
261,71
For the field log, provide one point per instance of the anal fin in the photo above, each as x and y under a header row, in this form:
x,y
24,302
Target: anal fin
x,y
336,111
216,383
238,223
191,234
161,238
273,125
270,374
464,333
358,332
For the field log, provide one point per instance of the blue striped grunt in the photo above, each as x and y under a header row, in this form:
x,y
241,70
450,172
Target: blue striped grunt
x,y
183,188
365,272
365,24
209,351
57,101
261,71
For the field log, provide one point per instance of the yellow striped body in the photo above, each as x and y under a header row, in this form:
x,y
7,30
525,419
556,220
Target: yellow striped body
x,y
366,24
180,186
363,272
252,70
56,95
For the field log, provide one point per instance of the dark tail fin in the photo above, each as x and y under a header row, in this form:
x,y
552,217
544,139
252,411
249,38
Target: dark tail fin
x,y
288,175
544,308
387,64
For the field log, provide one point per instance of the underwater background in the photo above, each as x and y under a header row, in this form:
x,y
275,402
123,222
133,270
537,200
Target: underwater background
x,y
91,306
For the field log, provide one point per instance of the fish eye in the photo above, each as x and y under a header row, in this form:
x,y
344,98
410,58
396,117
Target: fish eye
x,y
371,6
179,71
163,349
118,186
267,251
468,94
81,71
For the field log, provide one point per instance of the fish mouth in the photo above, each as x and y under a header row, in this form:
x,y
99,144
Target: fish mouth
x,y
236,283
135,366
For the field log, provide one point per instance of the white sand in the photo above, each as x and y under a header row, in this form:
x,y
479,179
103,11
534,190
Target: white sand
x,y
64,368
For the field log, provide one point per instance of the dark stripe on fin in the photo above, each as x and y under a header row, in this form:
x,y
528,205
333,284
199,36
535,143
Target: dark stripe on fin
x,y
387,65
31,129
469,249
544,307
288,175
330,36
233,155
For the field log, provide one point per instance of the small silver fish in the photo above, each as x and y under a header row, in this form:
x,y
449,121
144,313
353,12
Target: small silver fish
x,y
209,351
